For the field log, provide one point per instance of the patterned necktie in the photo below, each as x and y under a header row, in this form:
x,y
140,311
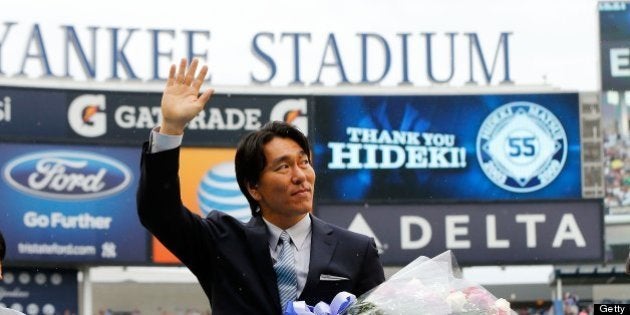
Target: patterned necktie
x,y
285,271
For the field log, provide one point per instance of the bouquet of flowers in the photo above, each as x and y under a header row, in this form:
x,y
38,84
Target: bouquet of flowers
x,y
429,286
425,286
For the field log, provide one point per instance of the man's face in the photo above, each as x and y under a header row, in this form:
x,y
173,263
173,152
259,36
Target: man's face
x,y
286,186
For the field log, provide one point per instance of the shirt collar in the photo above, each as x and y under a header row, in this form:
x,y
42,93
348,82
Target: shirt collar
x,y
297,232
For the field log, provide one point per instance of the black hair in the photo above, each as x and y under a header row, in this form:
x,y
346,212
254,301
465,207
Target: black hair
x,y
250,156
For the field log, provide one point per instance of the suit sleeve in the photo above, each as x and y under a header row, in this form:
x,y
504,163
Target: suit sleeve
x,y
372,270
161,211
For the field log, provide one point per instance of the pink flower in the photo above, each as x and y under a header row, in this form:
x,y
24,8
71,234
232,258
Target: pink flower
x,y
480,297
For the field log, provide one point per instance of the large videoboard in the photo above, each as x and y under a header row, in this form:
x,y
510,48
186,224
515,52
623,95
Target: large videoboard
x,y
398,156
383,149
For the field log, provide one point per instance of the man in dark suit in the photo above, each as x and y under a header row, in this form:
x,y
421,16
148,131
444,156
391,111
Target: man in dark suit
x,y
242,267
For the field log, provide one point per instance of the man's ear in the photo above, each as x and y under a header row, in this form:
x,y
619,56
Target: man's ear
x,y
253,191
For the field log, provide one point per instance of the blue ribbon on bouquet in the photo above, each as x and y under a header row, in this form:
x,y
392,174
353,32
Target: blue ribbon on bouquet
x,y
339,304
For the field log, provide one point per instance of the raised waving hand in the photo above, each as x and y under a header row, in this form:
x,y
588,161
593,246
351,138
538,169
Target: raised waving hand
x,y
181,101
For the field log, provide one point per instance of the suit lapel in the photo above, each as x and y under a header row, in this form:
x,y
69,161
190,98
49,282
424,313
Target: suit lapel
x,y
323,244
258,242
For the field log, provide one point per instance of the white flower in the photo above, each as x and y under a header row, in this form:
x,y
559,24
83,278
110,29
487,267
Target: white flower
x,y
456,301
502,305
415,282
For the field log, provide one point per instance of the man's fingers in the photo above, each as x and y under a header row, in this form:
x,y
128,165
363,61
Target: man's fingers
x,y
181,72
190,74
205,97
171,76
200,77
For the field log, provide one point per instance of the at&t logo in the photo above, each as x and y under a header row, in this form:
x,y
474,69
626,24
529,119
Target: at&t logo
x,y
521,147
86,115
219,190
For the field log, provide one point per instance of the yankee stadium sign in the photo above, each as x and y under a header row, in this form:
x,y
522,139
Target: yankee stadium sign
x,y
106,53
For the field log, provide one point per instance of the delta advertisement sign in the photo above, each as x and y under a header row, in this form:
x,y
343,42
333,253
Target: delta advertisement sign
x,y
126,118
401,149
71,204
484,233
208,182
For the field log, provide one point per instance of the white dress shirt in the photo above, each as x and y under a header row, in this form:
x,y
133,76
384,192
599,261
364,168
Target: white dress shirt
x,y
300,235
160,142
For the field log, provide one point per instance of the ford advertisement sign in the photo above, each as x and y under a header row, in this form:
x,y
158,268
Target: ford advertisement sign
x,y
74,205
67,175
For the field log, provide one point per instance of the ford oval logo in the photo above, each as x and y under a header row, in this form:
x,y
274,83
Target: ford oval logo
x,y
67,175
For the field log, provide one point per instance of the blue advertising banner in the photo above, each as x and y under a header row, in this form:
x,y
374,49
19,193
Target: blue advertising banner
x,y
73,204
384,149
32,113
40,291
540,232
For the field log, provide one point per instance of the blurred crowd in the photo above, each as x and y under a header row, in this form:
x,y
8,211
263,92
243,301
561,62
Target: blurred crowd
x,y
617,173
571,305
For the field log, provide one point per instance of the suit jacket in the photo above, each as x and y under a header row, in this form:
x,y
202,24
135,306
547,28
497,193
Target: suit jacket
x,y
231,259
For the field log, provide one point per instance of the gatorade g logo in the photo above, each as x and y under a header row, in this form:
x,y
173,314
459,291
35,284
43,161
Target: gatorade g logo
x,y
521,147
292,111
86,115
